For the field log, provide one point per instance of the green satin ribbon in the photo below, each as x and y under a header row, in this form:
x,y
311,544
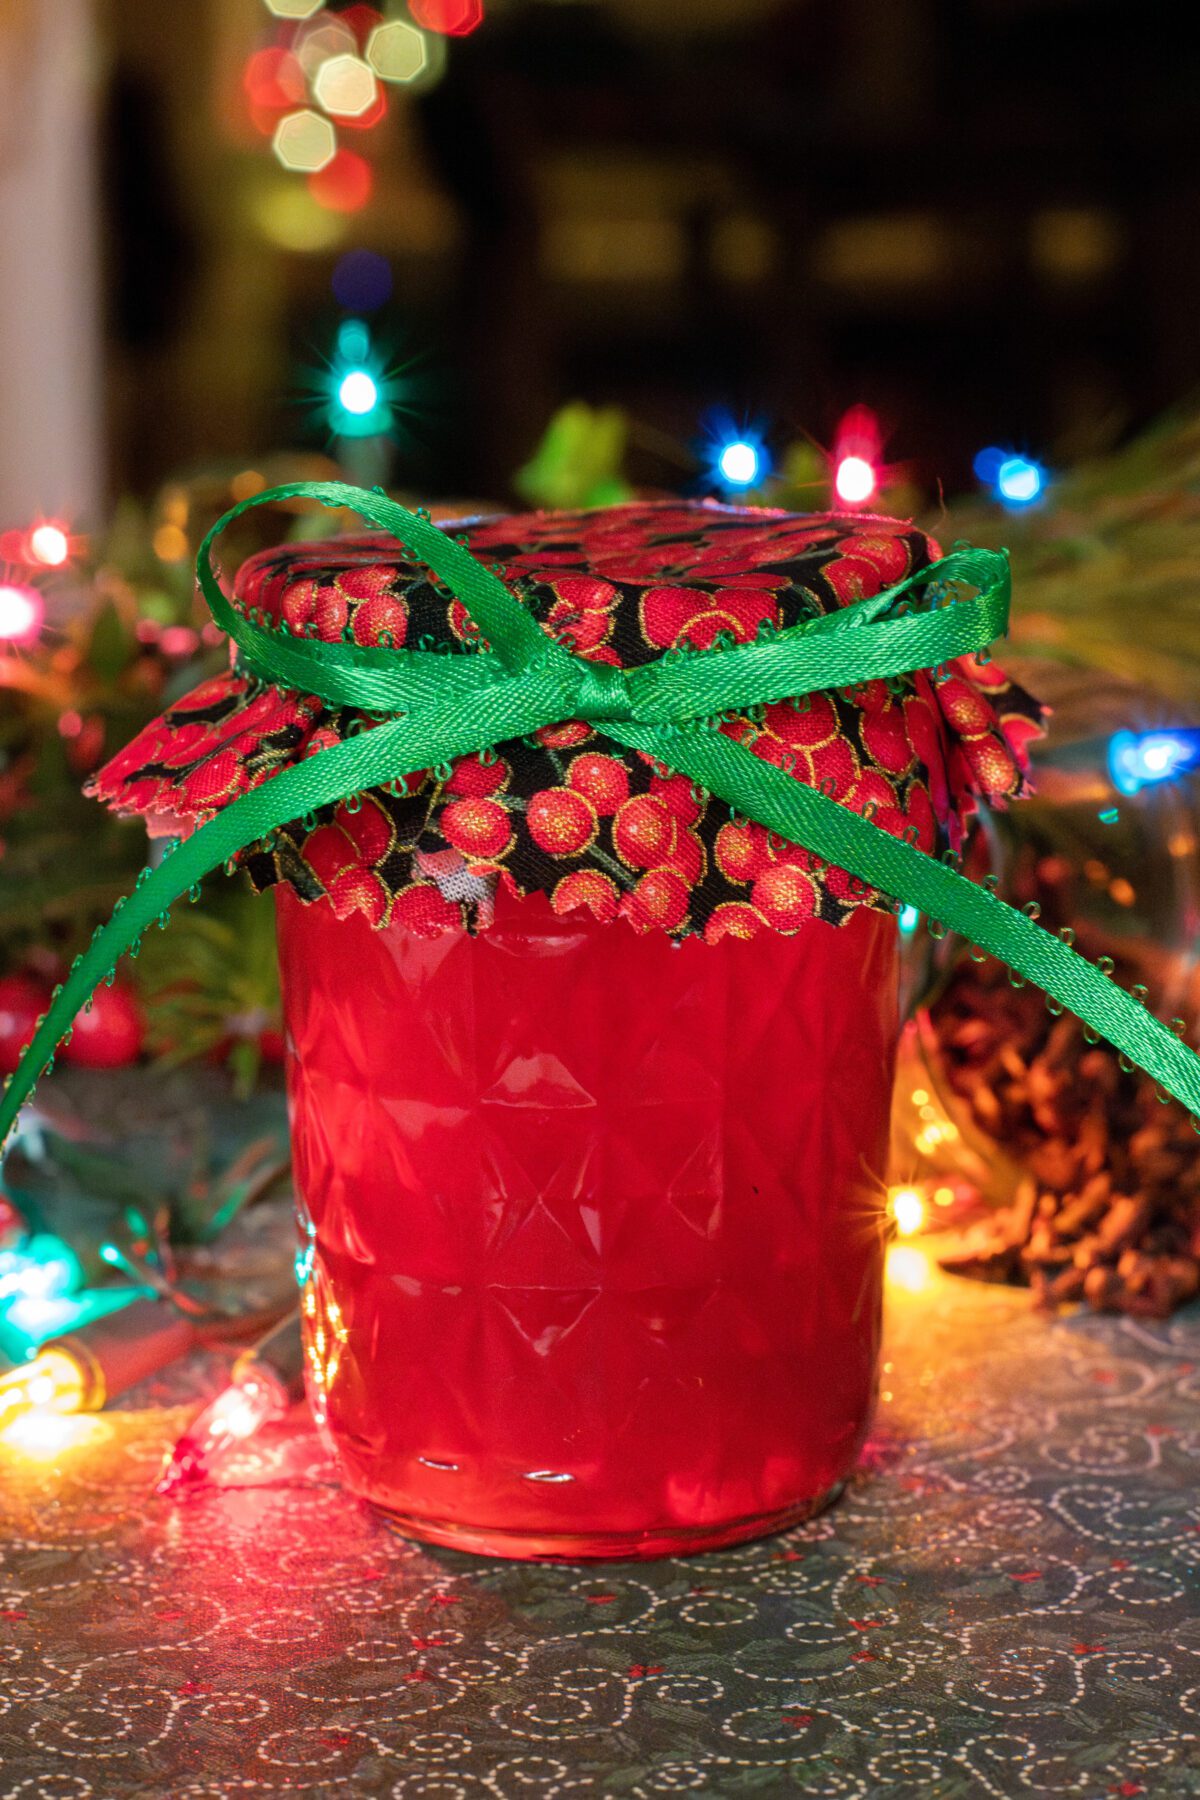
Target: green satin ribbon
x,y
518,680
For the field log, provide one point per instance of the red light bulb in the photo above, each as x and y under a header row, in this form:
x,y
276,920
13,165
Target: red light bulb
x,y
21,613
854,480
451,18
251,1401
856,448
49,544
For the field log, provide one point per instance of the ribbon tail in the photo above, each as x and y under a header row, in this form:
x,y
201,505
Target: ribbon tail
x,y
830,831
517,706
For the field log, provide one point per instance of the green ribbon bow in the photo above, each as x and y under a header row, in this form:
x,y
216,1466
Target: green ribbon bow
x,y
519,680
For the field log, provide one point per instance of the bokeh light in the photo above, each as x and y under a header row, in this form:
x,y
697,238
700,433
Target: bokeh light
x,y
293,9
907,1207
44,1435
326,37
274,80
397,51
856,456
1138,760
1019,481
305,142
286,214
346,87
49,544
362,280
854,480
43,1266
353,341
988,463
739,463
345,184
21,613
453,18
361,19
170,543
358,392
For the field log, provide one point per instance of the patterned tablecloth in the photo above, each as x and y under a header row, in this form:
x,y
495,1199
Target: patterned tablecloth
x,y
1002,1604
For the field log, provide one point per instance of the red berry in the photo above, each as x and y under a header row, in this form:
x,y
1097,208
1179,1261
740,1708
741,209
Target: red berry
x,y
687,858
328,851
475,780
803,728
586,887
110,1033
784,895
734,919
675,792
331,611
384,616
601,779
368,827
23,1000
476,827
993,768
886,740
742,851
644,832
422,910
660,898
965,707
563,737
561,821
299,604
358,890
215,780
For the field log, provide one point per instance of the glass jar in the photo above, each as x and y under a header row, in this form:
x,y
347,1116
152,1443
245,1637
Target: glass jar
x,y
594,1220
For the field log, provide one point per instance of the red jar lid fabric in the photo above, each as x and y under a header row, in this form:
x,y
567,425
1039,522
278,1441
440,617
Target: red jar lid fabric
x,y
570,812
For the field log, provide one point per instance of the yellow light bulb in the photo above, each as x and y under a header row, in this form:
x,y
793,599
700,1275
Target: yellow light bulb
x,y
907,1207
52,1382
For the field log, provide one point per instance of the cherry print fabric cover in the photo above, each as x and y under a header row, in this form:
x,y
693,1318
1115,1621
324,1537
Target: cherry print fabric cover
x,y
569,812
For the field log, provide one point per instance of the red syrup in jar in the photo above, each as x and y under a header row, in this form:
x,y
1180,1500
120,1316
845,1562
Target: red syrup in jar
x,y
596,1221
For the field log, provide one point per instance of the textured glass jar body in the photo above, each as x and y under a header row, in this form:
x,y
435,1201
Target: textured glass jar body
x,y
595,1221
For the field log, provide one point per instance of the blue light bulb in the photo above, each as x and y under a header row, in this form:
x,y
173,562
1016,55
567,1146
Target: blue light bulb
x,y
358,393
740,463
988,464
1141,760
1019,481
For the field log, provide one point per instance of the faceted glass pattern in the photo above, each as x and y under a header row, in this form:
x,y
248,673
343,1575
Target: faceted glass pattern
x,y
600,1217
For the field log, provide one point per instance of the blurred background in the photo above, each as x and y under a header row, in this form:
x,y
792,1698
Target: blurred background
x,y
975,217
